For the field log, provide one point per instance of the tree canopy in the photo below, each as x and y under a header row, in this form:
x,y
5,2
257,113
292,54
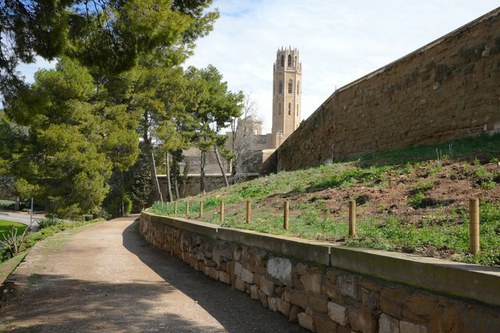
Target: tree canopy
x,y
118,91
108,34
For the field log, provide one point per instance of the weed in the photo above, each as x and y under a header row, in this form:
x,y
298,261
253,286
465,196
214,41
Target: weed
x,y
488,185
422,186
416,200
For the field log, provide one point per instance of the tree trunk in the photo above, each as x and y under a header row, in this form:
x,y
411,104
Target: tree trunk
x,y
154,176
203,162
176,186
221,166
185,174
169,184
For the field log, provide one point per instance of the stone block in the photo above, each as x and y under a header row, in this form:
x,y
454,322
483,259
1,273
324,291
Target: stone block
x,y
338,313
299,298
362,321
246,275
306,321
370,300
271,303
388,324
237,269
266,285
280,269
224,277
283,307
421,305
318,303
342,329
199,255
331,290
407,327
292,316
346,286
392,301
212,272
311,282
239,284
237,253
263,299
254,292
300,268
286,295
370,285
323,324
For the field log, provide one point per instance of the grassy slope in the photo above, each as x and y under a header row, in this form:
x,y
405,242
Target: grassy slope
x,y
412,200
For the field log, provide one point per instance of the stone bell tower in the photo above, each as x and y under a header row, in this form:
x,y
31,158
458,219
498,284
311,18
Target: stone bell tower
x,y
287,76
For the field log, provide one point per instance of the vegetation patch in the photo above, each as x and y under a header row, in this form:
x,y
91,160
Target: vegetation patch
x,y
413,200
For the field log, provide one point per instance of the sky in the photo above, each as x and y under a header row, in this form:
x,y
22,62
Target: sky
x,y
338,41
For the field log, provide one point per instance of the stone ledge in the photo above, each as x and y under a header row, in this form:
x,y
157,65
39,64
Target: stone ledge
x,y
201,228
480,283
317,252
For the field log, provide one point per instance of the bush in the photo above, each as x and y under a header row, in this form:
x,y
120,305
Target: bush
x,y
48,222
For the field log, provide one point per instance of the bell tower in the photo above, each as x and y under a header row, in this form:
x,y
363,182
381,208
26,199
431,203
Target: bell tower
x,y
287,76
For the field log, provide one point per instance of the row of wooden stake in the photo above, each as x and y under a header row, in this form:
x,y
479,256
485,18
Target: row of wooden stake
x,y
473,218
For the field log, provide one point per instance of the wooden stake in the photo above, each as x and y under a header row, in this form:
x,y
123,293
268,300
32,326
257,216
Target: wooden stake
x,y
222,211
474,226
201,209
187,208
352,218
175,207
286,215
249,211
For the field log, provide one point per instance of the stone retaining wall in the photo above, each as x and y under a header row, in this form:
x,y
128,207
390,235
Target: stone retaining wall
x,y
446,90
331,289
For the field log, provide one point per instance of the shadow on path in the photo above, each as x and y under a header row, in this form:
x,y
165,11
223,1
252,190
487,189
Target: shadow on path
x,y
233,309
99,307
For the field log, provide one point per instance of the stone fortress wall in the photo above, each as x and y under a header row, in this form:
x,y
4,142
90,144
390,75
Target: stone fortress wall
x,y
445,90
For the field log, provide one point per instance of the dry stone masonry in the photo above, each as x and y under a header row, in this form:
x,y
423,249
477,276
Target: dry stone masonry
x,y
293,277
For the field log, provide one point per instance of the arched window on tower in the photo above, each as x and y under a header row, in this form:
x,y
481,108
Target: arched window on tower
x,y
279,109
282,60
289,109
280,87
298,87
290,86
289,60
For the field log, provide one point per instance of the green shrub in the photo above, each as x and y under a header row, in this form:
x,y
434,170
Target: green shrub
x,y
48,222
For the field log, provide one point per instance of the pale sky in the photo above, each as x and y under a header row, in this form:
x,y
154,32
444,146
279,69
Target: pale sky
x,y
339,41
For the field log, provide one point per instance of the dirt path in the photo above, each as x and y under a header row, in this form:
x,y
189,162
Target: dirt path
x,y
106,278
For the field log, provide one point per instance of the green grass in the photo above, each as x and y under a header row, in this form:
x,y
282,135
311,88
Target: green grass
x,y
484,147
441,230
6,227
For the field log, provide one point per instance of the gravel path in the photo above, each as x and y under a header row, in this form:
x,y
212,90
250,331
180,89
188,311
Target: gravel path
x,y
106,278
